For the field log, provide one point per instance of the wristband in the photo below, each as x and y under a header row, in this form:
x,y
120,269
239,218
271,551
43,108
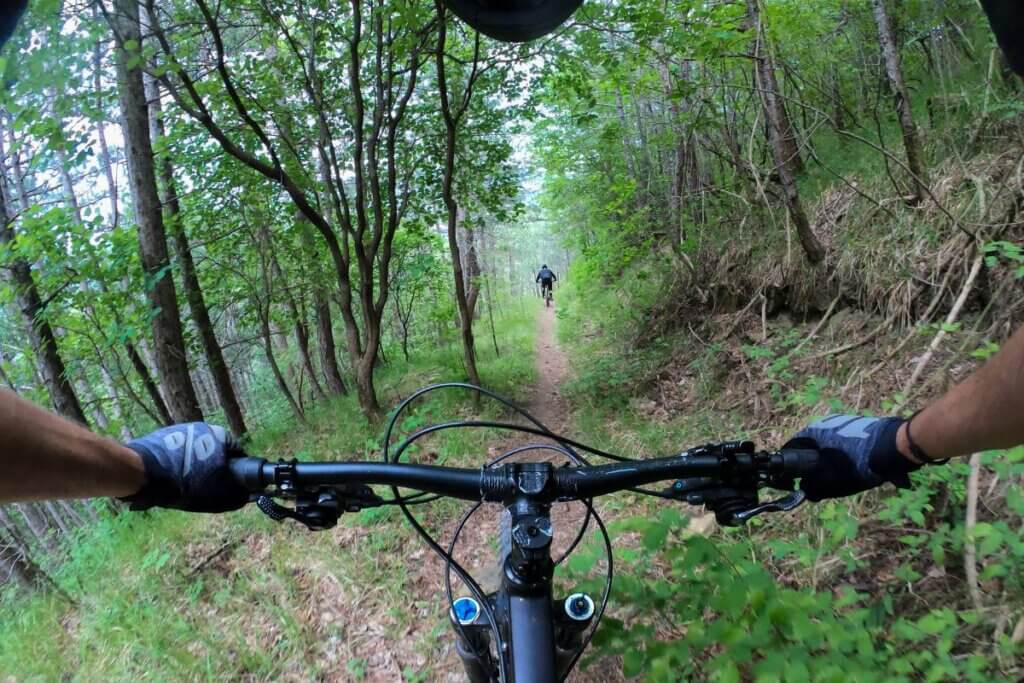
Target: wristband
x,y
916,450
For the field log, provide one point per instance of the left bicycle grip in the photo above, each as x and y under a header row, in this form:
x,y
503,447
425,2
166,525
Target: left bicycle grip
x,y
248,472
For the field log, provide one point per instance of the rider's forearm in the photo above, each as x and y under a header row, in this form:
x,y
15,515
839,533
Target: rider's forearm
x,y
45,456
984,412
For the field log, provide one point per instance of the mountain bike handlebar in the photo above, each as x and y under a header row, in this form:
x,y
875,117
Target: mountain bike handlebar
x,y
734,464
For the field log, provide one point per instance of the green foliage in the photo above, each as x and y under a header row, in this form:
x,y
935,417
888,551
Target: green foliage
x,y
1005,251
733,620
631,146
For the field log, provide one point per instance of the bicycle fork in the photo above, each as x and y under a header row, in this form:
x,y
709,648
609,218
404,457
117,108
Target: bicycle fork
x,y
571,618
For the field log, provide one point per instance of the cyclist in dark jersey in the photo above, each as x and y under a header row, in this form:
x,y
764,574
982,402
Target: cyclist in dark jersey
x,y
546,277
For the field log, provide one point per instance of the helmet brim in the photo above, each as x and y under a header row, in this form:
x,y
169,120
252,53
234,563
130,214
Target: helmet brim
x,y
527,21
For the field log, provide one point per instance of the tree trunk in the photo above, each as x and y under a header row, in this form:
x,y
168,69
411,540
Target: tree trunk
x,y
778,124
301,332
75,507
149,383
451,121
163,414
322,314
57,515
190,278
461,296
36,524
99,416
783,124
44,341
364,378
325,342
282,384
490,314
299,326
894,72
101,135
268,329
207,397
472,268
18,554
115,403
403,328
4,376
171,359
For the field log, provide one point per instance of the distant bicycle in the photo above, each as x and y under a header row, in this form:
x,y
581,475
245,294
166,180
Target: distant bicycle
x,y
546,277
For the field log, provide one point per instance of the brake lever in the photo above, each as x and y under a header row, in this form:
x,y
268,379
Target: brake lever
x,y
787,503
320,509
732,506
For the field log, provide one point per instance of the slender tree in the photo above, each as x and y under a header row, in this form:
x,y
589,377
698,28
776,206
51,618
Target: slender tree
x,y
190,277
169,339
894,72
18,273
451,117
778,127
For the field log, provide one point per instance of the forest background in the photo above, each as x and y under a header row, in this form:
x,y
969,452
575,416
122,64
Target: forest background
x,y
286,216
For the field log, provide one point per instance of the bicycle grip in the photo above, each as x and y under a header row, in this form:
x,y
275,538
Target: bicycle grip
x,y
797,462
248,472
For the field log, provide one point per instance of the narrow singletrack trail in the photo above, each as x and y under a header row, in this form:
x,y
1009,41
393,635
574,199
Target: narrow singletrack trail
x,y
547,403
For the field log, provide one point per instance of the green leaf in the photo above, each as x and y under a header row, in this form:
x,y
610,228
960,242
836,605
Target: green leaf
x,y
654,535
581,562
728,673
633,663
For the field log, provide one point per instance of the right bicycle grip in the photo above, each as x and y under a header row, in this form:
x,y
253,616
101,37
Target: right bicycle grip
x,y
797,462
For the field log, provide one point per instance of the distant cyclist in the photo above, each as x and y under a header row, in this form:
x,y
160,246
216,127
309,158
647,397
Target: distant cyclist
x,y
546,277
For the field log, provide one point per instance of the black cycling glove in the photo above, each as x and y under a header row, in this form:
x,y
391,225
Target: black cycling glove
x,y
186,469
857,454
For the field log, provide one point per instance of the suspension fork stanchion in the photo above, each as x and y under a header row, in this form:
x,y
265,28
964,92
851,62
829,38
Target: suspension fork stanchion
x,y
573,617
472,641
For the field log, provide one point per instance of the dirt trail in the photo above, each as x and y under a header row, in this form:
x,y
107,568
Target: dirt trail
x,y
548,405
552,364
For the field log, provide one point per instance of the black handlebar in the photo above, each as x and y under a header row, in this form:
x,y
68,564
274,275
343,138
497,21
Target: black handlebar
x,y
258,475
734,464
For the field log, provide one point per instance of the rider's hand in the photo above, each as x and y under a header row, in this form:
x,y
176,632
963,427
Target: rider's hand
x,y
186,468
857,454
